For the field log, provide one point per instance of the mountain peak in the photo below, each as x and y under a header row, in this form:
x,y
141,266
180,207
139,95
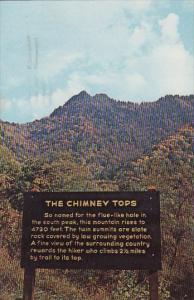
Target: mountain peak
x,y
101,95
77,99
83,94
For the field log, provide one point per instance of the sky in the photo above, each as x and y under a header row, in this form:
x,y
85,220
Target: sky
x,y
135,50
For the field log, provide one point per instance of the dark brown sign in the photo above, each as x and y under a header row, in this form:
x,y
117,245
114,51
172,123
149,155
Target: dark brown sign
x,y
94,230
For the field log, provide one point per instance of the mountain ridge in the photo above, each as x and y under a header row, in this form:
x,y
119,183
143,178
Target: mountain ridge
x,y
102,96
100,130
83,95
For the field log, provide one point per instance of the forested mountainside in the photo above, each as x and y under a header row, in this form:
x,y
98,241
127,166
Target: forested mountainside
x,y
169,167
97,143
63,173
172,156
99,131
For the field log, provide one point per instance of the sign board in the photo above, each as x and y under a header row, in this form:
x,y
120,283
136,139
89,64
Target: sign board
x,y
91,230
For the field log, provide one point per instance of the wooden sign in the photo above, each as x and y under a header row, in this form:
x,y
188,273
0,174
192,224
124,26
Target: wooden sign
x,y
95,230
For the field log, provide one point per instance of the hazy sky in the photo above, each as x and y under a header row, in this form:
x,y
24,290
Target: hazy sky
x,y
131,50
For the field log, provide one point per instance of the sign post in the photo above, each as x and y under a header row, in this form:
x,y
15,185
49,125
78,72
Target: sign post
x,y
153,274
153,285
29,283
